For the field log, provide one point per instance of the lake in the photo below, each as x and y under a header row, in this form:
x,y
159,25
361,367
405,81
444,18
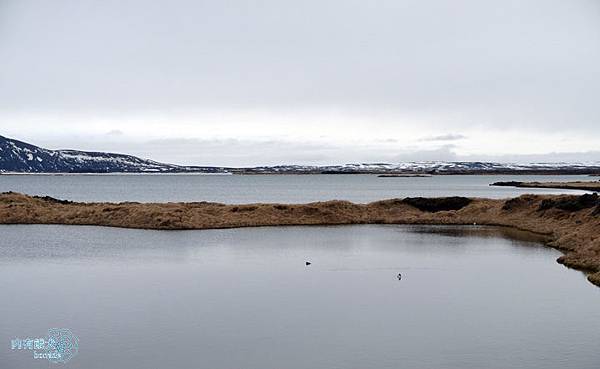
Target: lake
x,y
236,189
469,297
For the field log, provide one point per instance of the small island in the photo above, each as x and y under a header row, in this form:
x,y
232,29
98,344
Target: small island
x,y
405,175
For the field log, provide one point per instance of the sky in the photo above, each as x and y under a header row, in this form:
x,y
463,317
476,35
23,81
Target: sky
x,y
242,83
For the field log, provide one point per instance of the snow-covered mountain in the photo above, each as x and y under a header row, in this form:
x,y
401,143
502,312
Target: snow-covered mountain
x,y
434,167
18,156
21,157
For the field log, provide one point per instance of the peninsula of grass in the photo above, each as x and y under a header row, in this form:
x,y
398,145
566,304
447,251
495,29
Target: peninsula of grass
x,y
569,223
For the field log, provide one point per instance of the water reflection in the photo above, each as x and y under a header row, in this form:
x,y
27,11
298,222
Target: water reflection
x,y
480,231
245,298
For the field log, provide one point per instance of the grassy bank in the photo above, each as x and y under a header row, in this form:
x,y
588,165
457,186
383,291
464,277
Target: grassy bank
x,y
570,223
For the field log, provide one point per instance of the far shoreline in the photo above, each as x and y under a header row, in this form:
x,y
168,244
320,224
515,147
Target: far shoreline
x,y
379,174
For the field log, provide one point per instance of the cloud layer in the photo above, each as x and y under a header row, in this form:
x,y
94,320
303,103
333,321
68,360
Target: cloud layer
x,y
328,79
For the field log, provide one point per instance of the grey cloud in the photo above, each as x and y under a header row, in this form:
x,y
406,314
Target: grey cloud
x,y
227,152
446,137
438,65
236,152
444,153
115,132
504,63
553,157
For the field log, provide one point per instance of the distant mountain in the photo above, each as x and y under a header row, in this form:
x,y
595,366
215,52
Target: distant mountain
x,y
18,156
431,167
21,157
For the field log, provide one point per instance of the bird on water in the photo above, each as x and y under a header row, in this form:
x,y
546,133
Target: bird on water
x,y
307,263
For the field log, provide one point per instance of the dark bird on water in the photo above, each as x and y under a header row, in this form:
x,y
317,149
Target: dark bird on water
x,y
308,263
399,276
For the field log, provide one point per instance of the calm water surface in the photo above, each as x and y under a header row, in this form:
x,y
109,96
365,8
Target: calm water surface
x,y
265,188
243,298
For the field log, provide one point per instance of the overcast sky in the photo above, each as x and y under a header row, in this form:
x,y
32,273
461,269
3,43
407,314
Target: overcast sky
x,y
313,81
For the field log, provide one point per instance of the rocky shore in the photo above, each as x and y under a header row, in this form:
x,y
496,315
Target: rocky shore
x,y
578,185
569,223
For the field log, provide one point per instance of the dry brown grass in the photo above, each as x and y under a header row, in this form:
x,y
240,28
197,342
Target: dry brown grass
x,y
574,231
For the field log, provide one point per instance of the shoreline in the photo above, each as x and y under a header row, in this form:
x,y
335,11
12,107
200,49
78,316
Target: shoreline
x,y
570,223
578,185
548,172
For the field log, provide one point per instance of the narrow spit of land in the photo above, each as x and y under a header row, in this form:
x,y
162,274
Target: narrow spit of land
x,y
578,185
569,223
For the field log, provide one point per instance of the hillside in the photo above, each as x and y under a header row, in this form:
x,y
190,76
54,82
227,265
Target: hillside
x,y
21,157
